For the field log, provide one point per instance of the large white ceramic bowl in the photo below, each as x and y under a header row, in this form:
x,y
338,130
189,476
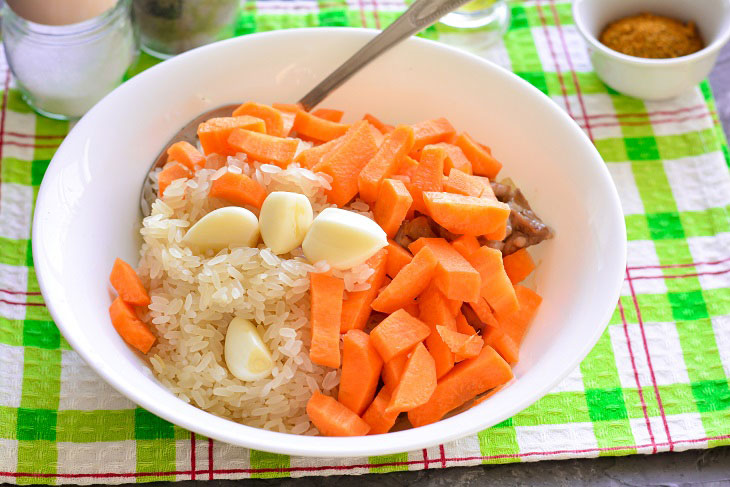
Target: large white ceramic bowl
x,y
653,79
87,210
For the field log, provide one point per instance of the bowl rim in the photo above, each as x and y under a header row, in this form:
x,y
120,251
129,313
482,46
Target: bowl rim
x,y
312,446
710,49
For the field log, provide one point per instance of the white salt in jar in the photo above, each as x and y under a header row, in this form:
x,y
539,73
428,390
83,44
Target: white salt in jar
x,y
63,70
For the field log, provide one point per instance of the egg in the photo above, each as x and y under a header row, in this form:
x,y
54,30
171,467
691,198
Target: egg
x,y
231,226
246,355
343,238
284,220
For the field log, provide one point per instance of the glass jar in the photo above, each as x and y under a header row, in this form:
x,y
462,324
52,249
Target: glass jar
x,y
63,70
490,16
170,27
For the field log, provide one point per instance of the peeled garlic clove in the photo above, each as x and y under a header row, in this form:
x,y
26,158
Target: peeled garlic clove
x,y
284,220
343,238
230,226
245,353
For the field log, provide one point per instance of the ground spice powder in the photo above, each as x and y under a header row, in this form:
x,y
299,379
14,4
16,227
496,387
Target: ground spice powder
x,y
652,36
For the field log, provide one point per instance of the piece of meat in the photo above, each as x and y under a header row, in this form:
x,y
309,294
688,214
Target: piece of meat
x,y
412,230
524,228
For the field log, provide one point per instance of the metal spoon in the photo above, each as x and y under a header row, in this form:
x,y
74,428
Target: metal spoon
x,y
421,14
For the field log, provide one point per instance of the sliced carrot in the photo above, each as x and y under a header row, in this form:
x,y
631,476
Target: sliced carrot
x,y
502,343
465,381
345,162
333,418
463,326
318,128
432,132
128,284
172,171
185,153
482,162
467,215
417,382
462,183
264,148
466,245
392,370
328,114
392,205
356,307
408,167
215,161
496,286
129,327
515,323
455,158
486,396
398,258
377,135
408,283
462,345
214,133
385,162
239,189
310,157
384,128
518,265
397,334
498,234
326,295
379,420
288,107
488,191
272,117
454,276
484,312
434,311
427,176
411,308
361,366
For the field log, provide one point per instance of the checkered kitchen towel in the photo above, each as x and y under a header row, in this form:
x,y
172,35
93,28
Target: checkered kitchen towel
x,y
656,381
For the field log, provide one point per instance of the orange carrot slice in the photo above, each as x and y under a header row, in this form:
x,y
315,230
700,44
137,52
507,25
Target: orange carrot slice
x,y
496,286
214,133
455,158
454,276
172,171
239,189
408,283
502,343
361,366
326,295
264,148
384,128
432,132
428,176
411,308
385,162
463,326
417,382
484,312
397,334
345,162
328,114
434,311
185,153
379,420
518,265
465,381
392,370
466,245
462,345
467,215
318,128
398,258
356,307
482,162
334,419
310,157
128,284
462,183
515,323
272,117
392,206
129,327
498,234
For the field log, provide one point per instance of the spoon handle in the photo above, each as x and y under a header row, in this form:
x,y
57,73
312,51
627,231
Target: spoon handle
x,y
419,15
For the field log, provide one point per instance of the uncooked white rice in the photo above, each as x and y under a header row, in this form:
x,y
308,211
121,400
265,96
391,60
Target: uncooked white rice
x,y
194,297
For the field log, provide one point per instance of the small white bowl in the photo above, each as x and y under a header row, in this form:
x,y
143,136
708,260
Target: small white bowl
x,y
653,79
87,210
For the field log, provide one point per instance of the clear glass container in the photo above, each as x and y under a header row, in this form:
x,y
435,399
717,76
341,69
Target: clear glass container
x,y
491,16
170,27
63,70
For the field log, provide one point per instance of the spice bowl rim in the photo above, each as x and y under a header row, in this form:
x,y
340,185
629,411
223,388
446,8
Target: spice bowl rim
x,y
711,48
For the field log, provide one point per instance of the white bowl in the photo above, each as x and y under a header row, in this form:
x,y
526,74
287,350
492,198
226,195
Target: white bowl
x,y
87,209
653,79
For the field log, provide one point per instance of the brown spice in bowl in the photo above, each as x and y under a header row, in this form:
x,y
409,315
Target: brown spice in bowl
x,y
652,36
